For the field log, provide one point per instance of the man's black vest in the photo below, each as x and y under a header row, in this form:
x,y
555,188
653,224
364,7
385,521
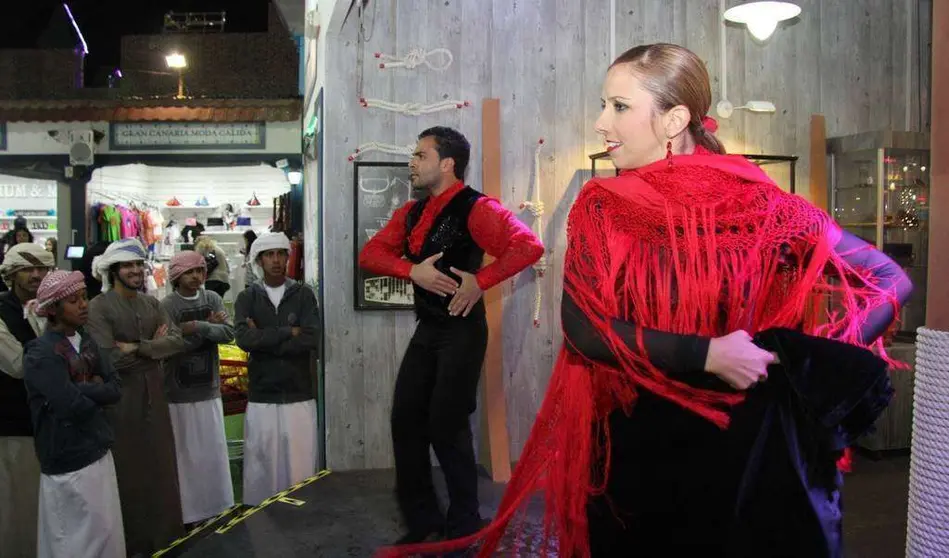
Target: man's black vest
x,y
14,410
450,236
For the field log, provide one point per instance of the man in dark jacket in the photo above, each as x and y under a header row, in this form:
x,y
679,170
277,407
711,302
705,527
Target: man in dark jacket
x,y
277,321
69,382
23,268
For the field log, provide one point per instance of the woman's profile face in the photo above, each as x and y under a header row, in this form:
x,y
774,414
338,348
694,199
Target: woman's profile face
x,y
628,122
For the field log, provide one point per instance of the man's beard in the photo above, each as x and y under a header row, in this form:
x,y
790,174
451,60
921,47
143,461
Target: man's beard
x,y
130,287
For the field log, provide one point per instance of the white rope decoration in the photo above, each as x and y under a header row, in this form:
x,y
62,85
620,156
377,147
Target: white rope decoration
x,y
416,57
536,206
391,149
928,515
413,109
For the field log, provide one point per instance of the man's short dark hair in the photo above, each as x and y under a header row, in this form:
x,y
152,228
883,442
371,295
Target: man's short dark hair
x,y
450,143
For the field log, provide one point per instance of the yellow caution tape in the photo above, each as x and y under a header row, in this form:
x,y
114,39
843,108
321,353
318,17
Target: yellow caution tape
x,y
197,530
278,497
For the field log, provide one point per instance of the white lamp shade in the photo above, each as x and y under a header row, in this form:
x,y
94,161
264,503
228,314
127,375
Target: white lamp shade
x,y
762,18
295,177
762,28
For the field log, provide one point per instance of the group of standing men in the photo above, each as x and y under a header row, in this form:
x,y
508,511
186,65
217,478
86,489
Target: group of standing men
x,y
111,421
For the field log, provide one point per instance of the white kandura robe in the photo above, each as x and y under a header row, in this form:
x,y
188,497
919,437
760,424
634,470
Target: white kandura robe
x,y
80,515
204,473
280,447
19,485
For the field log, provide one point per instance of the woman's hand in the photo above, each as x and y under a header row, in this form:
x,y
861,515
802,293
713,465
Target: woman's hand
x,y
737,360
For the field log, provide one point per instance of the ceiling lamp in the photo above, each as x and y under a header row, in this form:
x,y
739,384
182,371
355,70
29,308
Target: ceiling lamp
x,y
762,18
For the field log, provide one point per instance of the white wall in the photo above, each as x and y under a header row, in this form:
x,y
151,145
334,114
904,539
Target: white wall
x,y
32,138
157,184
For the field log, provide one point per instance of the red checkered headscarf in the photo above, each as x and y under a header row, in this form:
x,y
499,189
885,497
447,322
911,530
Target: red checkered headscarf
x,y
55,287
183,262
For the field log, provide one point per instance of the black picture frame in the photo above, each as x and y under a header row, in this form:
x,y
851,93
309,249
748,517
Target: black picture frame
x,y
379,188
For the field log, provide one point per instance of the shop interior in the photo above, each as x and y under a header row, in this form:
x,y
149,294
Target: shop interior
x,y
168,207
31,204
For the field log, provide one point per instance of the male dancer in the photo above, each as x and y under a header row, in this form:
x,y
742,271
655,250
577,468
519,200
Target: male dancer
x,y
443,239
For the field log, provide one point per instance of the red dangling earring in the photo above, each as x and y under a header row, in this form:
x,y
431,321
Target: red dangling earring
x,y
669,153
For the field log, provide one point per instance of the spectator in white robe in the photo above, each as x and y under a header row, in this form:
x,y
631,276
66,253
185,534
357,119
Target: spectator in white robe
x,y
277,320
69,382
193,388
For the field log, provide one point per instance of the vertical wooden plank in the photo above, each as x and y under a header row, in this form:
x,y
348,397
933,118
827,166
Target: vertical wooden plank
x,y
805,94
596,58
818,157
344,341
474,60
495,402
924,57
937,303
380,357
732,131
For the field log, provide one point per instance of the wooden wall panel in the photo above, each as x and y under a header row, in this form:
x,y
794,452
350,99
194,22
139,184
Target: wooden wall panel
x,y
545,60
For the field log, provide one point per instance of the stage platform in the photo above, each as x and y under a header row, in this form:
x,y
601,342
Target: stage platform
x,y
351,514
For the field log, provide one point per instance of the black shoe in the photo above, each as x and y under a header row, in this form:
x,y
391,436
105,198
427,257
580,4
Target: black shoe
x,y
415,537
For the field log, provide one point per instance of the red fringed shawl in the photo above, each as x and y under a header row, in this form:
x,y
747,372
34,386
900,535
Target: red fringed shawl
x,y
705,245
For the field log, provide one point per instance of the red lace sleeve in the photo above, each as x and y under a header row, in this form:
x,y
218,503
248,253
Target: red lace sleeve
x,y
383,253
500,234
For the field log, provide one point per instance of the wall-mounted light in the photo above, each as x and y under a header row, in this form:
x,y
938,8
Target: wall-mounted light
x,y
295,177
762,18
725,108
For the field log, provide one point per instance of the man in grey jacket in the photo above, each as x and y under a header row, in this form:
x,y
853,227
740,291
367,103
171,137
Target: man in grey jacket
x,y
277,321
193,388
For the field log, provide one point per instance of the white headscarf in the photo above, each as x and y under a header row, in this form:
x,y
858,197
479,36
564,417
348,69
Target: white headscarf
x,y
265,242
125,250
22,256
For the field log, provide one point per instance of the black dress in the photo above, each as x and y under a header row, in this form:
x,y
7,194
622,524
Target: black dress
x,y
766,486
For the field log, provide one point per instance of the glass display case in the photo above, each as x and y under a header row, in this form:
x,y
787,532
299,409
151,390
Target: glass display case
x,y
880,192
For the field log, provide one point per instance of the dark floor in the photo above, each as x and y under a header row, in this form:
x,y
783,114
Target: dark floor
x,y
353,513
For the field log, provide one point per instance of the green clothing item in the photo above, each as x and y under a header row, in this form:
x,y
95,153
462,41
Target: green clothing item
x,y
111,223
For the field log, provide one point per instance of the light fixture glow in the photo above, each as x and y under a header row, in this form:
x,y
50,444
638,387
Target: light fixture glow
x,y
176,61
725,109
295,177
85,47
762,18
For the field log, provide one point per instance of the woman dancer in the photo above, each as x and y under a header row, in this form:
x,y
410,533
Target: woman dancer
x,y
670,270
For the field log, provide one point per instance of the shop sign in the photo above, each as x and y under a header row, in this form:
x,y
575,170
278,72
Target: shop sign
x,y
186,135
20,190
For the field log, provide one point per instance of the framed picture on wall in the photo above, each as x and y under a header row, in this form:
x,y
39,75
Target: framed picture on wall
x,y
379,189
